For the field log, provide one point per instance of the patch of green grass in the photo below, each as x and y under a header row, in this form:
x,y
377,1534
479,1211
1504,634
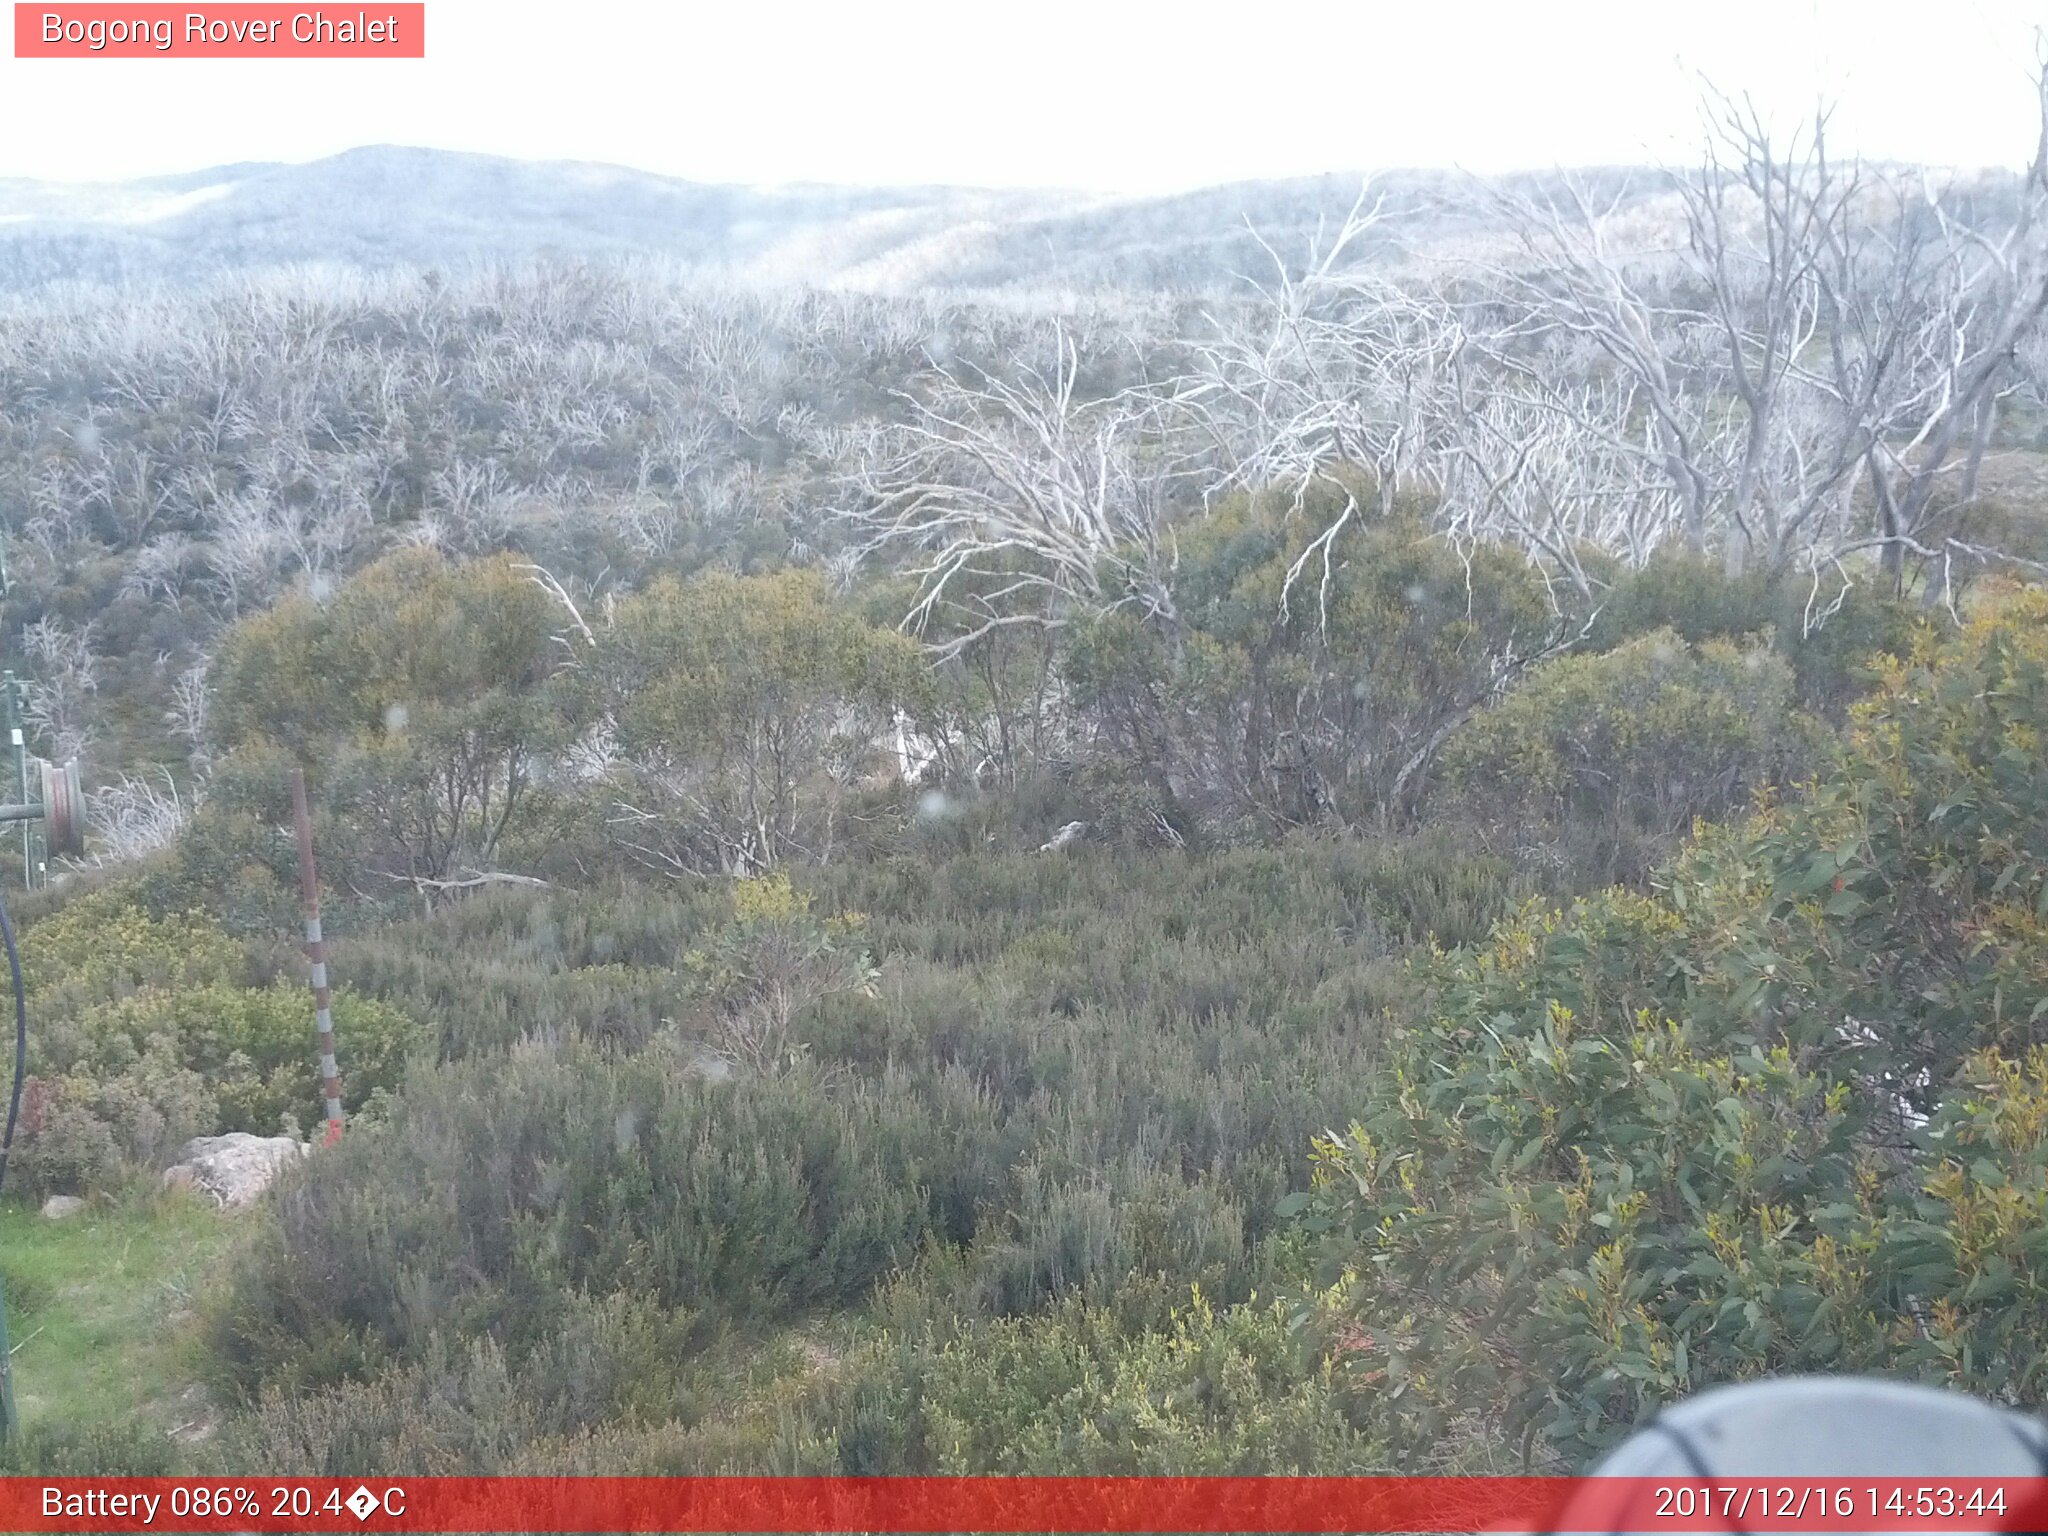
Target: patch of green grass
x,y
100,1310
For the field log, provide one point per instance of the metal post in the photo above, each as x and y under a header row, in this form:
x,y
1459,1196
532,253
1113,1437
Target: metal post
x,y
14,723
17,746
7,1420
316,951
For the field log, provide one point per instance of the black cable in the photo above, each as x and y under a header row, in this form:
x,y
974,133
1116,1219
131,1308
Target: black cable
x,y
20,1039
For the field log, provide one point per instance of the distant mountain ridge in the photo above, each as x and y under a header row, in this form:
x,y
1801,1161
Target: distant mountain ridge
x,y
389,207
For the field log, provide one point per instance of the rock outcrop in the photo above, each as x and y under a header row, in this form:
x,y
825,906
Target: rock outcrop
x,y
234,1169
1066,837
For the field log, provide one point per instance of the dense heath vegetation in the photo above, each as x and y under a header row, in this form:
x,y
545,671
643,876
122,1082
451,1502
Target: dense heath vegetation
x,y
1221,1144
1525,954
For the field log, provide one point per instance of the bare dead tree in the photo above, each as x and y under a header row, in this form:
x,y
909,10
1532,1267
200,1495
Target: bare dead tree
x,y
546,580
1822,323
66,678
1015,500
187,715
1552,465
134,817
1328,369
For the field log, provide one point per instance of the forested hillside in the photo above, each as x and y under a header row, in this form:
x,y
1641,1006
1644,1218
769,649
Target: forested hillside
x,y
392,209
1382,869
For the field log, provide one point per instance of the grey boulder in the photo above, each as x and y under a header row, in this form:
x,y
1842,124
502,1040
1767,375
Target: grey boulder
x,y
234,1169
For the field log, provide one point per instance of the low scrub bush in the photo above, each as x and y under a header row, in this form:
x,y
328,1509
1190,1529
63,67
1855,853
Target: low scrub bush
x,y
1787,1113
471,1407
145,1035
1620,752
1075,1392
502,1189
1831,635
1300,685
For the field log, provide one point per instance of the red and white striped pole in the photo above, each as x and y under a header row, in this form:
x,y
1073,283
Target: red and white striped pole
x,y
316,951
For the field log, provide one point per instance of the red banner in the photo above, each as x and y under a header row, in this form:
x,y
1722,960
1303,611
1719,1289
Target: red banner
x,y
223,31
1024,1504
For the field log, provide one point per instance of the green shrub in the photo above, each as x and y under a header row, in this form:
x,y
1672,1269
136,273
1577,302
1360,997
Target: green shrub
x,y
416,696
143,1037
1269,705
1432,887
502,1188
1119,1242
124,1448
1621,751
1074,1392
506,966
748,709
775,960
104,947
1830,635
1788,1114
1086,1077
471,1407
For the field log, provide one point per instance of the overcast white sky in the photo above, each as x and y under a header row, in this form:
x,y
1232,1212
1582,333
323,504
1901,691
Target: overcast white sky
x,y
1126,95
